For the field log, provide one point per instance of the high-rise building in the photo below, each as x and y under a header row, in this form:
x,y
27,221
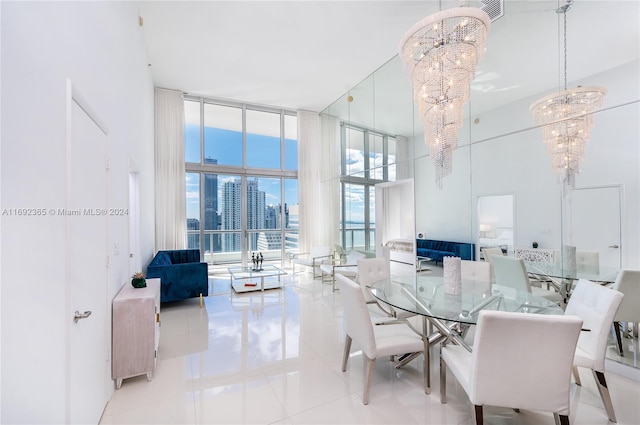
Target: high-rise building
x,y
272,217
231,215
211,216
256,210
193,239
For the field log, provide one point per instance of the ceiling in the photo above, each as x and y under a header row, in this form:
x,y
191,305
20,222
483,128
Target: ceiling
x,y
306,54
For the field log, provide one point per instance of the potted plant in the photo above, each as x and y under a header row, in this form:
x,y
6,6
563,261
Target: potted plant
x,y
138,280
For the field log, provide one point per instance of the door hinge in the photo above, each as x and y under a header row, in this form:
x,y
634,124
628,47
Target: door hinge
x,y
107,164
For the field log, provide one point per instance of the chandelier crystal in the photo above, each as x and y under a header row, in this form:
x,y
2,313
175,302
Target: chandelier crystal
x,y
439,55
567,119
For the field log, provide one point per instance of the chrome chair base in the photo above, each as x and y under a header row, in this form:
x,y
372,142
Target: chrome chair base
x,y
603,389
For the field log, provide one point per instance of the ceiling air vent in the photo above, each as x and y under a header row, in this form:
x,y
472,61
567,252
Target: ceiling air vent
x,y
493,8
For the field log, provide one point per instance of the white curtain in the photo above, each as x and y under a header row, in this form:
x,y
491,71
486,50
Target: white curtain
x,y
330,178
309,165
171,216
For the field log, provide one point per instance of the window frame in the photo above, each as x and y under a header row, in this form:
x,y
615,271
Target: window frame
x,y
243,171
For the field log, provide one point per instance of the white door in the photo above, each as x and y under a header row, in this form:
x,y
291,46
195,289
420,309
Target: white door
x,y
134,224
596,222
87,268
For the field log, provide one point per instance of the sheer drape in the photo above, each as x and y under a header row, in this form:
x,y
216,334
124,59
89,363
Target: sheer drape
x,y
330,178
171,216
309,166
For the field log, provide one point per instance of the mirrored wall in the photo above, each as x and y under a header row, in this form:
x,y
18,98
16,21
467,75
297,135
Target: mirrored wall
x,y
500,149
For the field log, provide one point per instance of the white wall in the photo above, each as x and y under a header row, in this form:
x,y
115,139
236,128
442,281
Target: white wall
x,y
99,46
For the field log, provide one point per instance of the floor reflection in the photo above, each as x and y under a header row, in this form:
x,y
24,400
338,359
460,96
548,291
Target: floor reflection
x,y
629,350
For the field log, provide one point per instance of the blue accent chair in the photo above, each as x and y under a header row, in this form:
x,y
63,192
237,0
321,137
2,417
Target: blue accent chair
x,y
181,274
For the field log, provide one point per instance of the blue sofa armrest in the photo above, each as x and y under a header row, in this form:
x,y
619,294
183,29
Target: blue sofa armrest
x,y
466,251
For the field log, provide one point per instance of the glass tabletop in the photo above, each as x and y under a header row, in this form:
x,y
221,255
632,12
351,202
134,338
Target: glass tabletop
x,y
593,273
425,295
248,272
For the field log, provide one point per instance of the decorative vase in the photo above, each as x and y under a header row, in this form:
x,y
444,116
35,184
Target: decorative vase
x,y
535,244
452,275
139,282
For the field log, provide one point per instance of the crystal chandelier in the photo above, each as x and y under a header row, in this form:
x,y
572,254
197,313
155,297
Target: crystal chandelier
x,y
439,55
567,118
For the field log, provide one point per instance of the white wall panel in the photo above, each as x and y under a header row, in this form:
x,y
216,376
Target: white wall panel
x,y
99,46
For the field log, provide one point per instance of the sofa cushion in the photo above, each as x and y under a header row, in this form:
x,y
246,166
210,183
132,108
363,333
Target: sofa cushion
x,y
181,256
162,259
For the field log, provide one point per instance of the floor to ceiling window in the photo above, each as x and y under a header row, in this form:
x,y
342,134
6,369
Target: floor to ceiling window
x,y
368,158
241,180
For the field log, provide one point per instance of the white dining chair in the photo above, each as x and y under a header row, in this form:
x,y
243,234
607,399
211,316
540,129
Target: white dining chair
x,y
596,305
312,259
374,341
488,254
506,369
585,260
475,270
627,282
371,270
511,273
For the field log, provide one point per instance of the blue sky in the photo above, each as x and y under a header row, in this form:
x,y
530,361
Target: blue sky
x,y
226,147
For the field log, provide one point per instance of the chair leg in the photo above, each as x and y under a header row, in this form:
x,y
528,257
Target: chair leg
x,y
478,411
368,377
604,394
443,380
576,375
427,366
561,419
616,329
347,350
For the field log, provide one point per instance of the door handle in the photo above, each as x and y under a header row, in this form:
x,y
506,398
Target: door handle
x,y
614,246
77,315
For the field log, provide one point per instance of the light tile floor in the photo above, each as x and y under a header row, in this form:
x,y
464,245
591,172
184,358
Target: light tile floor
x,y
275,358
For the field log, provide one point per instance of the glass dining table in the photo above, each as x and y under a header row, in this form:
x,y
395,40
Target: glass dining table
x,y
564,279
447,315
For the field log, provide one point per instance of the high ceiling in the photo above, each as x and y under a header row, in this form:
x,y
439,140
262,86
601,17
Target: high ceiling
x,y
306,54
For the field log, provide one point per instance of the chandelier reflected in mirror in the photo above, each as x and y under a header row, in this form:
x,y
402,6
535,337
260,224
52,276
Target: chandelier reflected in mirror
x,y
439,55
567,119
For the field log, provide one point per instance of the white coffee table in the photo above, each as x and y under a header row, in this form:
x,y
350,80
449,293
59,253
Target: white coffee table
x,y
246,279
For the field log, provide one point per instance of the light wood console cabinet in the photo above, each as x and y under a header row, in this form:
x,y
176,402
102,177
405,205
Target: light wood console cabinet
x,y
135,331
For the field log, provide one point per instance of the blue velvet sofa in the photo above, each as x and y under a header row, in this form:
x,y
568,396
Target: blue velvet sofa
x,y
181,274
437,250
